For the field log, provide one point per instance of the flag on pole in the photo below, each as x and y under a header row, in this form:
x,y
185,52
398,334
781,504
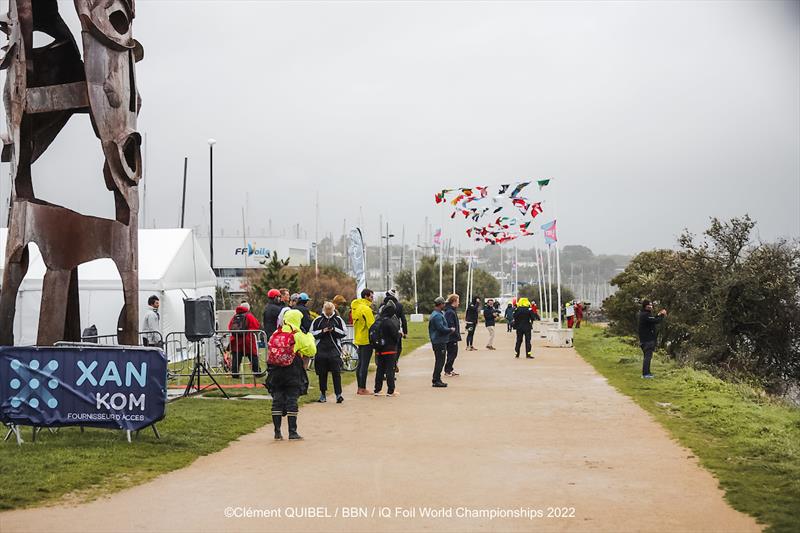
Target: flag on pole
x,y
542,183
549,232
437,236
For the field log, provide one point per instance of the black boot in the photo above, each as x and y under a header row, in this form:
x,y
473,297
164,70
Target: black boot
x,y
276,422
293,434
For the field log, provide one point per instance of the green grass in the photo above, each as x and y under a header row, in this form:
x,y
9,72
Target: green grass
x,y
74,466
750,442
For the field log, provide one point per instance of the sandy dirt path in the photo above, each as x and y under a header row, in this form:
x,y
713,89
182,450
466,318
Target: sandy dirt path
x,y
545,435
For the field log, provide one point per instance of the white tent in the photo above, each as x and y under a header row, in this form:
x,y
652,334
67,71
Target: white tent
x,y
171,265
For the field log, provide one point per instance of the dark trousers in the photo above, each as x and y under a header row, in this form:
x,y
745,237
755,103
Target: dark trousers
x,y
364,358
325,365
470,333
647,348
385,363
237,359
284,401
440,354
526,334
399,353
508,326
452,353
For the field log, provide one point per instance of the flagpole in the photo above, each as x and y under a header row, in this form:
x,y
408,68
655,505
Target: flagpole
x,y
516,272
538,273
454,269
414,259
549,283
558,283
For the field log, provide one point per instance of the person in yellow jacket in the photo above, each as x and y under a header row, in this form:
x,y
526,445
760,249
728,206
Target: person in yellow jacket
x,y
363,318
287,383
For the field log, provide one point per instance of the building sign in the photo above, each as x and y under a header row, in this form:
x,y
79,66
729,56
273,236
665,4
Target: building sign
x,y
116,388
251,251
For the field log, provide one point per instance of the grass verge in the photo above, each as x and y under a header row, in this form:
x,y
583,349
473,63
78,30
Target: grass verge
x,y
74,466
750,442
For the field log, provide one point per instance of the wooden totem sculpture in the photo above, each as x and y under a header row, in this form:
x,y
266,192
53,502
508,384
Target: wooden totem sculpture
x,y
45,86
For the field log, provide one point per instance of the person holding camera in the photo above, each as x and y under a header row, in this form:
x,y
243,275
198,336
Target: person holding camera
x,y
328,330
648,335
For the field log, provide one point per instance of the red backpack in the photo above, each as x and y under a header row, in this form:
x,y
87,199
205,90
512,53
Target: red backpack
x,y
281,349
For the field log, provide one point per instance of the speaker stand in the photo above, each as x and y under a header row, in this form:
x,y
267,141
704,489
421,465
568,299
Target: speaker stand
x,y
200,368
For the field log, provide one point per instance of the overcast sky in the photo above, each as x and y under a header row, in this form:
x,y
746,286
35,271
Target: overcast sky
x,y
652,116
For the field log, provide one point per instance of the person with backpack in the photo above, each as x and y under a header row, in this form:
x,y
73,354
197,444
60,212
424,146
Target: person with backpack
x,y
244,344
523,324
385,335
287,379
509,316
272,311
391,296
471,318
440,335
451,317
328,329
363,318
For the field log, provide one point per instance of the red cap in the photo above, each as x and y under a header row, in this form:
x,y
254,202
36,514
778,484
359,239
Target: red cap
x,y
273,293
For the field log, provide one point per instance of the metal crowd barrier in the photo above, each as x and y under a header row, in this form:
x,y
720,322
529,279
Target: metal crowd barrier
x,y
113,340
217,354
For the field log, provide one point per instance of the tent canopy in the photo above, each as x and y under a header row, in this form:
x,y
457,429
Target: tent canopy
x,y
171,266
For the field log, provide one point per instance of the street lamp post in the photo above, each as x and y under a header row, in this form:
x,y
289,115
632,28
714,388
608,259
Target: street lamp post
x,y
387,237
211,143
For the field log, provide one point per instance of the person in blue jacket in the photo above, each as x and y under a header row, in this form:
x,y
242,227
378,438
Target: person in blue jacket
x,y
440,336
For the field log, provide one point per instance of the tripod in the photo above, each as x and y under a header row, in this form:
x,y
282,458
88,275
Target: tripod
x,y
200,368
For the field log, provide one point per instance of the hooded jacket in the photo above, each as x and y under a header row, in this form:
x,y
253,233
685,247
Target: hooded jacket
x,y
509,314
471,315
293,376
244,343
328,342
399,311
451,317
390,329
271,313
523,316
437,328
363,318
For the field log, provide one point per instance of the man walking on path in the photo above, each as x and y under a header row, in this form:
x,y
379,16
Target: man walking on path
x,y
152,323
440,335
523,323
490,315
451,316
363,318
386,353
471,318
647,334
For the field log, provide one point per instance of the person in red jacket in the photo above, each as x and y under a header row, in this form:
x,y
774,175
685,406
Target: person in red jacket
x,y
244,344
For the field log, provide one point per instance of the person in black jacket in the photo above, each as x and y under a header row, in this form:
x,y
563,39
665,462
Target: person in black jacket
x,y
271,312
471,318
385,355
451,317
523,323
302,306
648,335
391,296
490,314
328,329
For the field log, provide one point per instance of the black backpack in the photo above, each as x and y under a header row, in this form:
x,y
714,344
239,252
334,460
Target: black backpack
x,y
239,322
375,334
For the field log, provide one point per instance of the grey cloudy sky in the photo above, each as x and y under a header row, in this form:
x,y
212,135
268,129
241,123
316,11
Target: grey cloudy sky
x,y
652,116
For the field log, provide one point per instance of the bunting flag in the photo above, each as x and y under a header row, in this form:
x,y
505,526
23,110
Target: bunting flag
x,y
550,232
518,188
470,203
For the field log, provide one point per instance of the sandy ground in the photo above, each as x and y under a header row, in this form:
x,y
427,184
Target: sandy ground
x,y
547,438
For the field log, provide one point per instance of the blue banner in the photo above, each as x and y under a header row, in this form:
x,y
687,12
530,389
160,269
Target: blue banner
x,y
109,387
